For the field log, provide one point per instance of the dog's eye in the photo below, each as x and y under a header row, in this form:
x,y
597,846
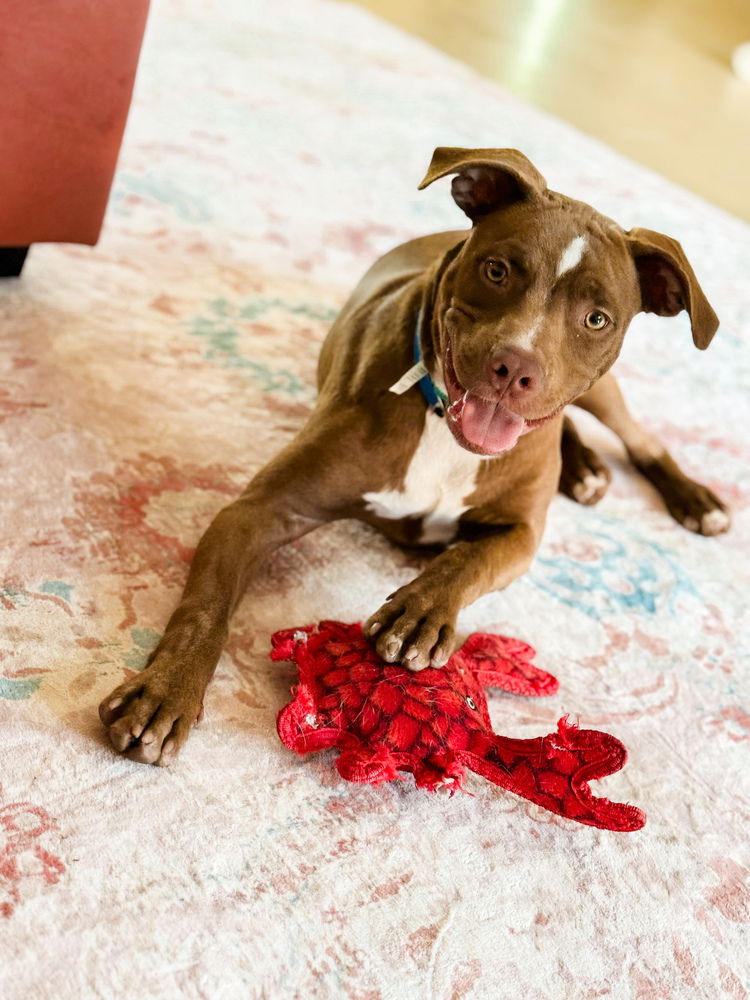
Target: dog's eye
x,y
470,702
496,271
596,320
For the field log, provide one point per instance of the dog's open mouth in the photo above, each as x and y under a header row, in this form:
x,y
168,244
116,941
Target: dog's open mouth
x,y
481,425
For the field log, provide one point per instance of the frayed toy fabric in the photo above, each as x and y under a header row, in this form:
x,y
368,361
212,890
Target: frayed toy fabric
x,y
435,723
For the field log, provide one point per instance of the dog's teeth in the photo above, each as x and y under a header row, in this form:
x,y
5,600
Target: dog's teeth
x,y
456,408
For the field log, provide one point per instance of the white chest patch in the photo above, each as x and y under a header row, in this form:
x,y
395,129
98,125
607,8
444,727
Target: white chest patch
x,y
440,478
571,255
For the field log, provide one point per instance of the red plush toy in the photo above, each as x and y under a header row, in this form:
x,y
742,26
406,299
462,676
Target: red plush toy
x,y
435,723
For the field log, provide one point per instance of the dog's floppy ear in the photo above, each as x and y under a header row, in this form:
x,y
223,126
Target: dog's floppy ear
x,y
668,283
488,179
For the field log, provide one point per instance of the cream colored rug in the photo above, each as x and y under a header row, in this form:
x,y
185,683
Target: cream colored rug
x,y
273,152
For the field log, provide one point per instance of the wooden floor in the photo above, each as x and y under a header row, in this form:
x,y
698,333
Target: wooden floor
x,y
652,78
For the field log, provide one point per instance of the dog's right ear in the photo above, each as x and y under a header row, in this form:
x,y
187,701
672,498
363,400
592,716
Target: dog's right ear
x,y
488,179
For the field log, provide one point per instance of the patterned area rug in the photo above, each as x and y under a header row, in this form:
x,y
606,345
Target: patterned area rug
x,y
273,152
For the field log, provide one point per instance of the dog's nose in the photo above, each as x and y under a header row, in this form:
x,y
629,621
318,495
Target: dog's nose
x,y
515,374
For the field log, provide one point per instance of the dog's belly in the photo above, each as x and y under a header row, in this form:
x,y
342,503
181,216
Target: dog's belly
x,y
439,481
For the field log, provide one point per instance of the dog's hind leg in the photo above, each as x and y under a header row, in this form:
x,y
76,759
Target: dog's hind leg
x,y
693,505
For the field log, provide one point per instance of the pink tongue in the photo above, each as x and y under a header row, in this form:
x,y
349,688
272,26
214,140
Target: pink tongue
x,y
489,425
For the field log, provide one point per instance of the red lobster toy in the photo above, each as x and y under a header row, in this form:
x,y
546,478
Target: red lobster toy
x,y
435,723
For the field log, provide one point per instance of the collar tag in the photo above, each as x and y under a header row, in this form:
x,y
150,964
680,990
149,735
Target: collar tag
x,y
415,374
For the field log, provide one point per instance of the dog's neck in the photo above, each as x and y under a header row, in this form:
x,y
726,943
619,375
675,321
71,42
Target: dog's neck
x,y
428,320
431,383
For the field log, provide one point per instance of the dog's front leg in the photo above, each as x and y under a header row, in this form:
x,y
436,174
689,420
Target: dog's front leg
x,y
148,718
416,625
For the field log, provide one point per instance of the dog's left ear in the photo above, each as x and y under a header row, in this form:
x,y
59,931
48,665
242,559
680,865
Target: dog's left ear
x,y
668,283
488,179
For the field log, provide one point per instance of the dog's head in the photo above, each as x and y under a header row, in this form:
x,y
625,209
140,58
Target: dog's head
x,y
531,309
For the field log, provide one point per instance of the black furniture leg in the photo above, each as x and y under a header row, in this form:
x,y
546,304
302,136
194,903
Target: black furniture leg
x,y
11,261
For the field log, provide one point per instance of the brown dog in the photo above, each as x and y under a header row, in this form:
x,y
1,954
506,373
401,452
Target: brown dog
x,y
514,320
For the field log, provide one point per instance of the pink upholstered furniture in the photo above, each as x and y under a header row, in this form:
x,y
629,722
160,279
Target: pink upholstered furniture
x,y
68,68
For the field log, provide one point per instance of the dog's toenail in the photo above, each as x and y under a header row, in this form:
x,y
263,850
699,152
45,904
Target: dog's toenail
x,y
115,703
714,522
147,738
375,627
411,653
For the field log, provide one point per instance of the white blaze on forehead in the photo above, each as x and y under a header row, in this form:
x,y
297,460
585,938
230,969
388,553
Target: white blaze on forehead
x,y
525,340
571,255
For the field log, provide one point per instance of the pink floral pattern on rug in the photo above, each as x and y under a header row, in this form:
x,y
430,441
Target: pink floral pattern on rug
x,y
22,854
272,154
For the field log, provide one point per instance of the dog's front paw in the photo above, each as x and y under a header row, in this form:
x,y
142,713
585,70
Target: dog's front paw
x,y
149,717
414,628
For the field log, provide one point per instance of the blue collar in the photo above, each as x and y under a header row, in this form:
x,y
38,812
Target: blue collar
x,y
436,398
